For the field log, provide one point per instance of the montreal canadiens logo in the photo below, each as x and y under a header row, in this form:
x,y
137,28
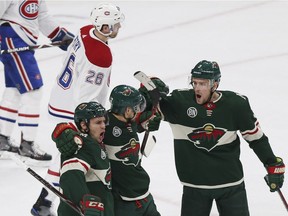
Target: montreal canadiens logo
x,y
29,9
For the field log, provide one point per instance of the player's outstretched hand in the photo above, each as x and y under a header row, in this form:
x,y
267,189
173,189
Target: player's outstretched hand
x,y
154,123
152,98
61,34
148,120
67,138
275,176
92,206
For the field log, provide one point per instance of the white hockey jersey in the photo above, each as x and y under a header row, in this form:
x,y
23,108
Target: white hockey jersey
x,y
85,75
27,18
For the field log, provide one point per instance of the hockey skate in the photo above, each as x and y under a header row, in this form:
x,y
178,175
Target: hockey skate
x,y
31,154
6,147
42,207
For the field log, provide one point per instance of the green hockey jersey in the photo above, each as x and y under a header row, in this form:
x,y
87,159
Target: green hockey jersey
x,y
130,180
86,172
206,144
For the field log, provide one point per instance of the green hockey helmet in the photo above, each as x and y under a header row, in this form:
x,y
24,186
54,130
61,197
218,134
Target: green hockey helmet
x,y
87,111
206,70
123,96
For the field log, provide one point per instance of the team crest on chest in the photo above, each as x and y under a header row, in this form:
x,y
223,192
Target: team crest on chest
x,y
129,153
192,112
206,137
116,131
108,178
29,9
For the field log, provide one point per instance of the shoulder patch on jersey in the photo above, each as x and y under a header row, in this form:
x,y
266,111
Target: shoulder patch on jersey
x,y
97,52
116,131
192,112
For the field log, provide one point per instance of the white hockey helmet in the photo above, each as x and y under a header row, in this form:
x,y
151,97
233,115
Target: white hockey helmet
x,y
106,14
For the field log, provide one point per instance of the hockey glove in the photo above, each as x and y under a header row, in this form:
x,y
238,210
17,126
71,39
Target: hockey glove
x,y
275,176
151,98
154,123
67,139
92,206
61,34
148,121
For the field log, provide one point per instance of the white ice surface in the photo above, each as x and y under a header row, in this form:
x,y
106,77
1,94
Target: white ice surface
x,y
249,40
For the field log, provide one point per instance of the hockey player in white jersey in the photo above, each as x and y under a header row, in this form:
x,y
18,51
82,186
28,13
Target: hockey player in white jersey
x,y
20,24
85,77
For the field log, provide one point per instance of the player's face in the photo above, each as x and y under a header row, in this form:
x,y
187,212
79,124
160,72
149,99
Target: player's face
x,y
115,31
105,29
130,113
202,88
97,128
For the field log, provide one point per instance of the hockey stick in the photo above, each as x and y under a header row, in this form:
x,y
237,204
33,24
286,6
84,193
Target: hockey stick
x,y
155,96
283,198
147,144
46,184
21,49
144,142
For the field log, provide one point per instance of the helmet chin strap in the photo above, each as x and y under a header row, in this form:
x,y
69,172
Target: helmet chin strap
x,y
210,97
86,131
128,120
211,92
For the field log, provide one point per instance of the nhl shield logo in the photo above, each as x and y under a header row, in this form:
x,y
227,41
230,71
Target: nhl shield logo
x,y
192,112
116,131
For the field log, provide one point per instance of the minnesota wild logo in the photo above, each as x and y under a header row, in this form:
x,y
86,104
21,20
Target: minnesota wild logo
x,y
206,137
129,153
108,178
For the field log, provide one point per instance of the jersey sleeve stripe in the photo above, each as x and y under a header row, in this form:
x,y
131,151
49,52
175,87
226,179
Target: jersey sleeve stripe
x,y
75,164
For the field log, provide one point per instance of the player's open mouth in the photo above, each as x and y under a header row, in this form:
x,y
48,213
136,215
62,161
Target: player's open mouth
x,y
198,96
102,136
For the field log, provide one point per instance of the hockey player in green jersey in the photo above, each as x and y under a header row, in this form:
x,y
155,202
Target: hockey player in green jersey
x,y
204,123
129,179
86,175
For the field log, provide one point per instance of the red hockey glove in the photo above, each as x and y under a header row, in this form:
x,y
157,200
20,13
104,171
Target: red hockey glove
x,y
92,206
61,34
275,176
67,138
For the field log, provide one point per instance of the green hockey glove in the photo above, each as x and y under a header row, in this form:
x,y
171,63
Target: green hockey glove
x,y
154,123
148,120
275,176
92,206
67,139
161,87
